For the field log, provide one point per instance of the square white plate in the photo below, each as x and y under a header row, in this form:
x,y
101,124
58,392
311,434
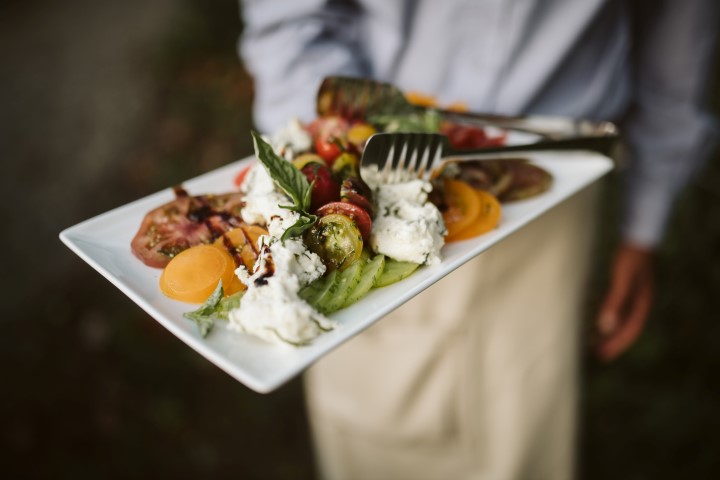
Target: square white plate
x,y
104,243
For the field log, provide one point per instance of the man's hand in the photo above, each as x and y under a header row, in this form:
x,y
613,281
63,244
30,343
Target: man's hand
x,y
627,303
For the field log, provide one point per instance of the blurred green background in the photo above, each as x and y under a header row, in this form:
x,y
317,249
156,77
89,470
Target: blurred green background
x,y
104,102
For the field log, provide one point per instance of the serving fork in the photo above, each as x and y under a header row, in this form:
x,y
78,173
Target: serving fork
x,y
401,157
359,98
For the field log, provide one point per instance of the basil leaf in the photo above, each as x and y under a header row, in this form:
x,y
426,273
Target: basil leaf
x,y
203,315
288,178
228,303
307,201
215,308
305,221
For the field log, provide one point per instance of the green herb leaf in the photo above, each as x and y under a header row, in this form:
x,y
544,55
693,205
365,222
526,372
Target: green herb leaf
x,y
305,221
288,178
203,315
427,121
228,303
215,308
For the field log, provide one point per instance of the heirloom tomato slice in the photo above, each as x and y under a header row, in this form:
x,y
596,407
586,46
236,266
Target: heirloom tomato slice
x,y
463,206
486,220
336,239
193,274
358,215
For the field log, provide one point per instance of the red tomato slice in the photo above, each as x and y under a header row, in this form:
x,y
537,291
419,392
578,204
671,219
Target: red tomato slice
x,y
175,226
241,176
326,188
354,190
358,215
330,126
327,149
326,133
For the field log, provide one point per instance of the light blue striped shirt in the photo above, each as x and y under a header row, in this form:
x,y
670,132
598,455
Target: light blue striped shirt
x,y
578,58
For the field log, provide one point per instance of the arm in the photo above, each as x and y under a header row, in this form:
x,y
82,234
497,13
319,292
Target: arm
x,y
669,137
289,47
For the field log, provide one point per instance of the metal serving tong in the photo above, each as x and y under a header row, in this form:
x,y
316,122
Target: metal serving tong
x,y
358,98
400,157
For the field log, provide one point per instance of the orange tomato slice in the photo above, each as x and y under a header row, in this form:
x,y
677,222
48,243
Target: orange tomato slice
x,y
463,206
193,274
487,219
421,99
242,241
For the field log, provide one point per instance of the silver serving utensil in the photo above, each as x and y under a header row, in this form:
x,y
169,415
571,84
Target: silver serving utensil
x,y
403,156
359,98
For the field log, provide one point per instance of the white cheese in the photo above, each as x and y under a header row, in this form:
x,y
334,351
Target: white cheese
x,y
407,227
262,201
291,140
275,313
271,308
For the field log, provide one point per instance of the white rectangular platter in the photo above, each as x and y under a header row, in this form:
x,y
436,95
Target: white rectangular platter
x,y
104,243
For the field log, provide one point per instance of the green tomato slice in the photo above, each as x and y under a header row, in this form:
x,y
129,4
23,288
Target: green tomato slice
x,y
336,239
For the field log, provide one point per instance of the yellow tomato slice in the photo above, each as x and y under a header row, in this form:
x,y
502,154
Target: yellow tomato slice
x,y
463,206
242,241
458,107
235,286
421,99
488,218
360,132
193,274
306,159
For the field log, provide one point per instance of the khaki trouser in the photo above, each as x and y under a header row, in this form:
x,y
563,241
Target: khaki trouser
x,y
476,378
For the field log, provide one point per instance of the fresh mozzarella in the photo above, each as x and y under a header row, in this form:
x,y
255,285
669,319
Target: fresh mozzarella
x,y
271,308
291,140
407,227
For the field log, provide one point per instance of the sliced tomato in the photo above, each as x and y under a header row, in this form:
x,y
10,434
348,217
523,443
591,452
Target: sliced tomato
x,y
358,215
329,137
469,136
346,165
328,126
194,273
326,188
306,159
328,148
336,239
487,219
354,190
359,133
241,243
241,176
183,223
463,206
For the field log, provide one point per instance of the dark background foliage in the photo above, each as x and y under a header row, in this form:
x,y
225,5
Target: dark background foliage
x,y
104,102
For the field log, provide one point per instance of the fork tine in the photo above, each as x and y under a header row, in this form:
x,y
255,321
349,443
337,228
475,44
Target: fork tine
x,y
399,169
389,163
412,163
403,156
424,160
437,158
434,150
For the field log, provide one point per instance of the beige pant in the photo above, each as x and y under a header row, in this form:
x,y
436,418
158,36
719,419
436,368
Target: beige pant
x,y
476,378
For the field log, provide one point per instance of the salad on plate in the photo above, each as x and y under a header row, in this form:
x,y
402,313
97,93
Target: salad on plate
x,y
308,232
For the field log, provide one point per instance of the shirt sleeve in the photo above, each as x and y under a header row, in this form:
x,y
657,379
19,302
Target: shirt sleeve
x,y
668,133
289,47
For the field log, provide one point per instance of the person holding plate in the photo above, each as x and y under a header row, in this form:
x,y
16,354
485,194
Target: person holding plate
x,y
478,376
